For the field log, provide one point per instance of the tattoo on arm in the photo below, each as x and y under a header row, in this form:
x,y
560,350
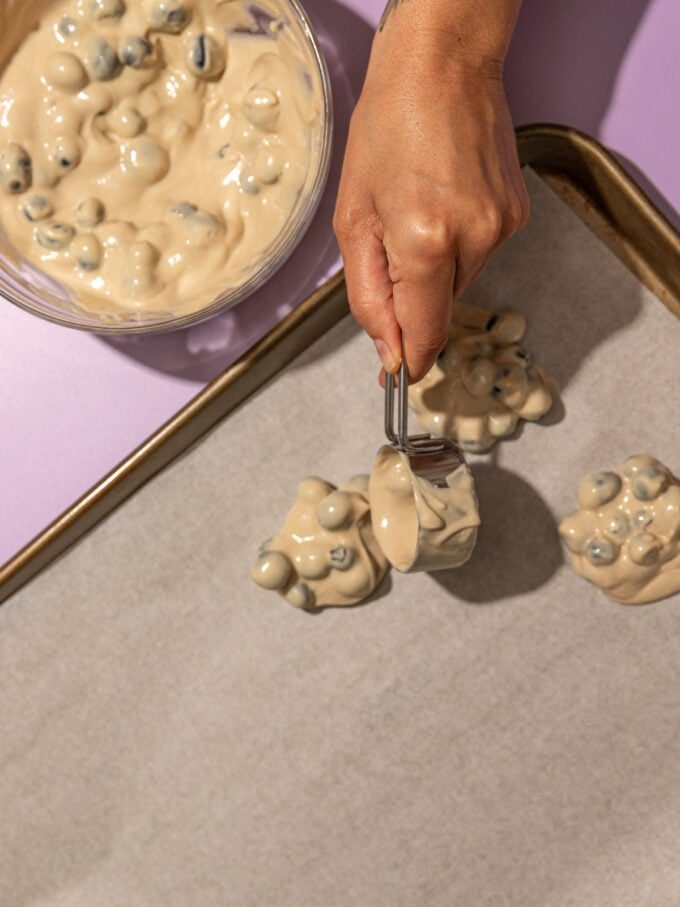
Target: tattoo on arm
x,y
389,9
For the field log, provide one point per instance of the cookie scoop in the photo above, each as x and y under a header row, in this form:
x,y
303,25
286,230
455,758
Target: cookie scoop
x,y
423,502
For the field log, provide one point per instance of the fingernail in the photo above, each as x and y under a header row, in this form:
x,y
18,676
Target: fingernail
x,y
390,364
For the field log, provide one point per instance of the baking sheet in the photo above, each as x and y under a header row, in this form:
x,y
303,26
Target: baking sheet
x,y
172,735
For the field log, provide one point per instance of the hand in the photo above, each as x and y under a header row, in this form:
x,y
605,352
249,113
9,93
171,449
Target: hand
x,y
431,188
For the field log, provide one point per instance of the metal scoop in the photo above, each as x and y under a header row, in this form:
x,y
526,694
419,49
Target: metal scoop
x,y
430,458
423,502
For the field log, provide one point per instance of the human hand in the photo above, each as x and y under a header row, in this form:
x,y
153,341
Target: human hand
x,y
431,188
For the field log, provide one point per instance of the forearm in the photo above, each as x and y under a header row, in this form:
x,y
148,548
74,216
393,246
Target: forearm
x,y
478,31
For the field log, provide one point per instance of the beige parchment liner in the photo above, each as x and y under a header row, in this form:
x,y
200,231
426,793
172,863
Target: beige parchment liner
x,y
501,734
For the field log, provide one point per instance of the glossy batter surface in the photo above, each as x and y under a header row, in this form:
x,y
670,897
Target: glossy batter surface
x,y
414,521
625,537
152,151
326,553
483,383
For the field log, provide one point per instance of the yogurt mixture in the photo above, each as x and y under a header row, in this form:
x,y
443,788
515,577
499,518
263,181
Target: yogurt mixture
x,y
326,553
484,382
625,537
420,526
151,151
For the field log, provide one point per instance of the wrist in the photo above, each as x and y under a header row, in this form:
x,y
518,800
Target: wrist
x,y
473,35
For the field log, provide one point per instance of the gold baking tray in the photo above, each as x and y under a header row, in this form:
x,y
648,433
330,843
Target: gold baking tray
x,y
580,170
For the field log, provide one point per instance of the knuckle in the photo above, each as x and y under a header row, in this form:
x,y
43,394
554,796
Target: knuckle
x,y
517,214
487,228
429,237
514,215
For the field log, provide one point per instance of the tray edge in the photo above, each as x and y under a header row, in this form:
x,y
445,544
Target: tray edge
x,y
576,165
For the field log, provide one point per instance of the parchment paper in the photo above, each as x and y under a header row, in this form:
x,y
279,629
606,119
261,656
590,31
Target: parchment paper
x,y
171,735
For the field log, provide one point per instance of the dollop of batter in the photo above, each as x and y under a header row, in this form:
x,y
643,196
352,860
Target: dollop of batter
x,y
625,537
418,525
152,151
326,553
483,383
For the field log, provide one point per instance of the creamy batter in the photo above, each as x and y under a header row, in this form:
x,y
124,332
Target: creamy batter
x,y
483,383
417,525
625,537
152,151
326,553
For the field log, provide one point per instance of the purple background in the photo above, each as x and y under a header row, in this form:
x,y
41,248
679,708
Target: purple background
x,y
72,405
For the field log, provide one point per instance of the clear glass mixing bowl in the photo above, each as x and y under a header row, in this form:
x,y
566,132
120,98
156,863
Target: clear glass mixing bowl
x,y
33,290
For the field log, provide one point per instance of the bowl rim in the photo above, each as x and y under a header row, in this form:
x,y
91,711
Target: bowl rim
x,y
261,276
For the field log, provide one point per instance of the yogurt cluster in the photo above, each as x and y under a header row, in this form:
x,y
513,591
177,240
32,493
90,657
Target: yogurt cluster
x,y
625,537
483,383
151,151
326,553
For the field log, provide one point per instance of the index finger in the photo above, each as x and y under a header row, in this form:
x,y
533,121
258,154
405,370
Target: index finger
x,y
423,276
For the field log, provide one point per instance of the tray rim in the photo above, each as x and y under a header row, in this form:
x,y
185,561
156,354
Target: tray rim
x,y
625,218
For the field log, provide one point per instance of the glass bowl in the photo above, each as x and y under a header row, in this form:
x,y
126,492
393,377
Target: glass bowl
x,y
32,289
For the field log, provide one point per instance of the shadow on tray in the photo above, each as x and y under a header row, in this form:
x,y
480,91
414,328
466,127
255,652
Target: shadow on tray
x,y
518,548
202,352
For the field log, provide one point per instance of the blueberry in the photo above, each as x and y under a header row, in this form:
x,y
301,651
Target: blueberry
x,y
87,251
184,209
103,60
272,570
127,122
301,596
642,519
168,16
89,213
262,107
145,161
202,228
16,169
65,71
649,483
55,236
65,153
644,549
598,489
205,58
342,558
67,27
36,207
601,552
249,183
135,52
100,10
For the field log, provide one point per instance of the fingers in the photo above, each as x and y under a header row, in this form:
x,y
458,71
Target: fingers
x,y
422,269
405,269
369,287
